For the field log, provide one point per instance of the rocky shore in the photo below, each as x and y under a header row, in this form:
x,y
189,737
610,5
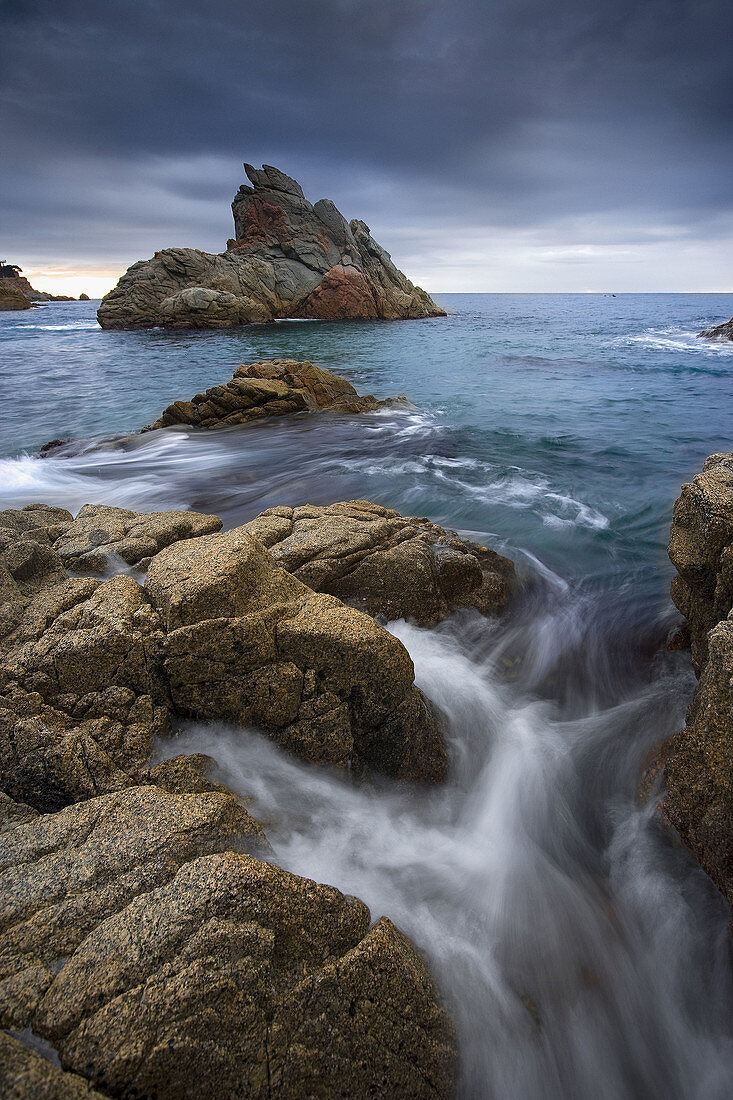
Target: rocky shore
x,y
699,760
149,947
288,258
12,283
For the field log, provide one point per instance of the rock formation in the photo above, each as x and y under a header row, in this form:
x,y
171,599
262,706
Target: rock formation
x,y
92,670
146,948
699,760
385,563
288,258
13,281
719,332
12,299
272,387
155,958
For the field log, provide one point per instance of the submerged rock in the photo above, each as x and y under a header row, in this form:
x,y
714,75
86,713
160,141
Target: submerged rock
x,y
272,387
159,962
719,332
288,259
699,760
385,563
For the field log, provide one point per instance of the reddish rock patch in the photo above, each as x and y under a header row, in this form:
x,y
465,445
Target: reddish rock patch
x,y
342,295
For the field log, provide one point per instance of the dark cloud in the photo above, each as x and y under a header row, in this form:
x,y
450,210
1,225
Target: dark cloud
x,y
123,124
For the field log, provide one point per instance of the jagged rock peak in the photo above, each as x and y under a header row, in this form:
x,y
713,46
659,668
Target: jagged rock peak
x,y
287,258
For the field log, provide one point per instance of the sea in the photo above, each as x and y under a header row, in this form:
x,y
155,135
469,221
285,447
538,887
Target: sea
x,y
580,948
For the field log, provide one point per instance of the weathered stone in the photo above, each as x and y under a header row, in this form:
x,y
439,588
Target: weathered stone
x,y
719,332
62,874
385,563
699,765
288,259
12,299
100,534
251,644
273,387
238,978
701,550
699,760
26,1075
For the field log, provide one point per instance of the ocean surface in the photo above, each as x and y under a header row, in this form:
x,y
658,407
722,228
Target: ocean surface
x,y
582,951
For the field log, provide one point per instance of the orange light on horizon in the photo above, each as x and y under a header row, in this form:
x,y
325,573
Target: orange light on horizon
x,y
92,280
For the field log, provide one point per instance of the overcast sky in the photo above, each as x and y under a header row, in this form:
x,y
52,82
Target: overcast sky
x,y
520,145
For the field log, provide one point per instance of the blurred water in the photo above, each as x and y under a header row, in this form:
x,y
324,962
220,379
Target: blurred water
x,y
584,954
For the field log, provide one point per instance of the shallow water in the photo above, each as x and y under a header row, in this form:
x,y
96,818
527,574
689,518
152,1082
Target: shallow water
x,y
583,952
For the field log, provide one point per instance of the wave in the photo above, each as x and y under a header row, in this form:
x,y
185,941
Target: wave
x,y
566,931
677,339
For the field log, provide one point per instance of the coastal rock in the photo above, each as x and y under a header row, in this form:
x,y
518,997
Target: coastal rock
x,y
272,387
12,299
26,1075
701,550
63,874
249,643
699,760
84,297
100,534
719,332
385,563
158,962
16,283
288,259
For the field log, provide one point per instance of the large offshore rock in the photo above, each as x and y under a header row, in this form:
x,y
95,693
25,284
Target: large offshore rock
x,y
719,332
159,962
288,258
699,760
249,643
272,387
385,563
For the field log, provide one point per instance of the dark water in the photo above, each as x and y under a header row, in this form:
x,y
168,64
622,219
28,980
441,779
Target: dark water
x,y
584,954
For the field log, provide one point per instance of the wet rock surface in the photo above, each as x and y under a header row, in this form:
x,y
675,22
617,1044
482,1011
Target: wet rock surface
x,y
699,760
385,563
719,332
288,259
272,387
159,959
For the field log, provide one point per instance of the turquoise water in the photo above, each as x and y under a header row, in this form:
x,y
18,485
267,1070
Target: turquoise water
x,y
560,427
564,424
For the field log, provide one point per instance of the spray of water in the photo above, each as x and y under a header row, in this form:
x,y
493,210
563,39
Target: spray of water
x,y
582,953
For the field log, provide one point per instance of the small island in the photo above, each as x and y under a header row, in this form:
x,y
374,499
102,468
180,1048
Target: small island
x,y
288,258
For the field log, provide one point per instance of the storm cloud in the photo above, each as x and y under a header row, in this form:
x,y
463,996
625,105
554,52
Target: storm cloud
x,y
490,144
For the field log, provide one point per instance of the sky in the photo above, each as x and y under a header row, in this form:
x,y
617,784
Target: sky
x,y
491,145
